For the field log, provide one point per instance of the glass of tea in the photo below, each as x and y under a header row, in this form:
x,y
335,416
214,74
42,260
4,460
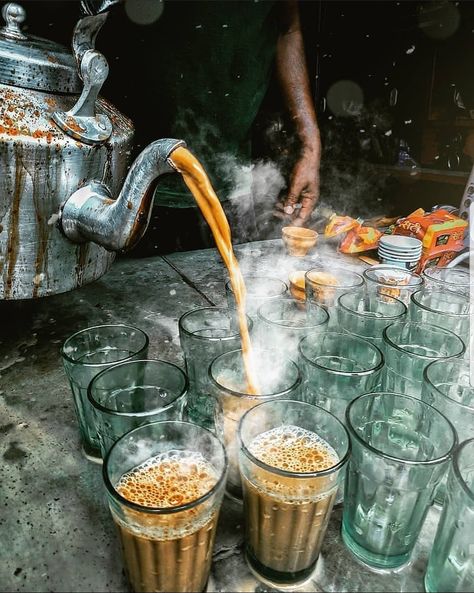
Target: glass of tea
x,y
292,455
277,376
165,483
324,285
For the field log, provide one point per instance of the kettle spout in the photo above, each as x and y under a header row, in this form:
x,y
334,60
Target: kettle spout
x,y
91,213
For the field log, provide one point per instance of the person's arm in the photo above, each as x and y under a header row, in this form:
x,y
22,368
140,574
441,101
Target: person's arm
x,y
293,76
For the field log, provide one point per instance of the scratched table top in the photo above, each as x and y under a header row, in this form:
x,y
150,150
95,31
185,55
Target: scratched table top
x,y
56,533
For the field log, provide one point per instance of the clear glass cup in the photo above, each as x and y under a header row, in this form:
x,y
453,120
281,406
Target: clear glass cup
x,y
260,289
451,279
364,314
204,334
401,448
87,353
409,348
443,308
324,285
391,281
133,393
288,497
451,562
447,387
283,323
336,368
278,378
165,483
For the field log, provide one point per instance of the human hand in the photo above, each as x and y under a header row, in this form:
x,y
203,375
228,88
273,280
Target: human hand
x,y
303,191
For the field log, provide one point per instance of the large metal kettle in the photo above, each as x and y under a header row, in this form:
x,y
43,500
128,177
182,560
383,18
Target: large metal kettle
x,y
64,151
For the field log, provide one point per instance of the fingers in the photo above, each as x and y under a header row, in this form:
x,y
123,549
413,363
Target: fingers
x,y
308,202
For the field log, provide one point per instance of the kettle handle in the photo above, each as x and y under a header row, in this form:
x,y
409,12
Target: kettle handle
x,y
84,36
82,122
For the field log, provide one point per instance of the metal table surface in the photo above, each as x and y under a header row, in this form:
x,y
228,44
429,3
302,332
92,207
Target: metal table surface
x,y
56,533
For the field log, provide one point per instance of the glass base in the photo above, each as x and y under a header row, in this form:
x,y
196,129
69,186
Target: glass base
x,y
428,588
276,579
372,560
92,454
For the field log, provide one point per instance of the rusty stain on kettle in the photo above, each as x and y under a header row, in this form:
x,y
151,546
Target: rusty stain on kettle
x,y
13,226
45,188
40,167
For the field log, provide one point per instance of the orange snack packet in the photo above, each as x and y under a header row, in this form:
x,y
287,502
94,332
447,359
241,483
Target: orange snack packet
x,y
360,239
338,225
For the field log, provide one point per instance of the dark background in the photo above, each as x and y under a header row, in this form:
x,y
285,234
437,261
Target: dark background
x,y
422,52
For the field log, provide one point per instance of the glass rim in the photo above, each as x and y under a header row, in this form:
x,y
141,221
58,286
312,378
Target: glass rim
x,y
426,273
370,314
390,342
207,338
228,286
98,406
457,471
435,388
264,396
330,285
261,317
414,275
285,473
415,300
102,326
163,510
346,337
379,452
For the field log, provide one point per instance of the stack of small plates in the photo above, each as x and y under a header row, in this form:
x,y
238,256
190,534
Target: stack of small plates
x,y
397,250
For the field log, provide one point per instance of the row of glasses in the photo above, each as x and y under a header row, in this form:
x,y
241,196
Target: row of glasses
x,y
291,457
229,379
115,387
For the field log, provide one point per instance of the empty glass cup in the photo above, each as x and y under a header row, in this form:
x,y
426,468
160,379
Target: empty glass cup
x,y
291,459
409,348
401,448
133,393
336,368
260,289
205,333
165,483
87,353
278,378
390,281
452,279
324,285
366,315
447,386
443,308
283,323
451,563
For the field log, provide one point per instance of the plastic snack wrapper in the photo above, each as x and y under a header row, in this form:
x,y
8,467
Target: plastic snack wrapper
x,y
338,225
362,238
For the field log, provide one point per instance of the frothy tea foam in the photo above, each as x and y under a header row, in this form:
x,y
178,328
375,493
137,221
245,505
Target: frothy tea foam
x,y
170,479
293,449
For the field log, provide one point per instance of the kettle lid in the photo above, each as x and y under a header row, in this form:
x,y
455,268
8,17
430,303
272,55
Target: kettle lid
x,y
31,62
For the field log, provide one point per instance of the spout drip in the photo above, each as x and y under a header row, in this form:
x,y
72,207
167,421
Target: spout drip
x,y
92,213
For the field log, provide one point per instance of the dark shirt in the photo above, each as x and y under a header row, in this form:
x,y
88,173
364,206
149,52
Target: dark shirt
x,y
203,70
